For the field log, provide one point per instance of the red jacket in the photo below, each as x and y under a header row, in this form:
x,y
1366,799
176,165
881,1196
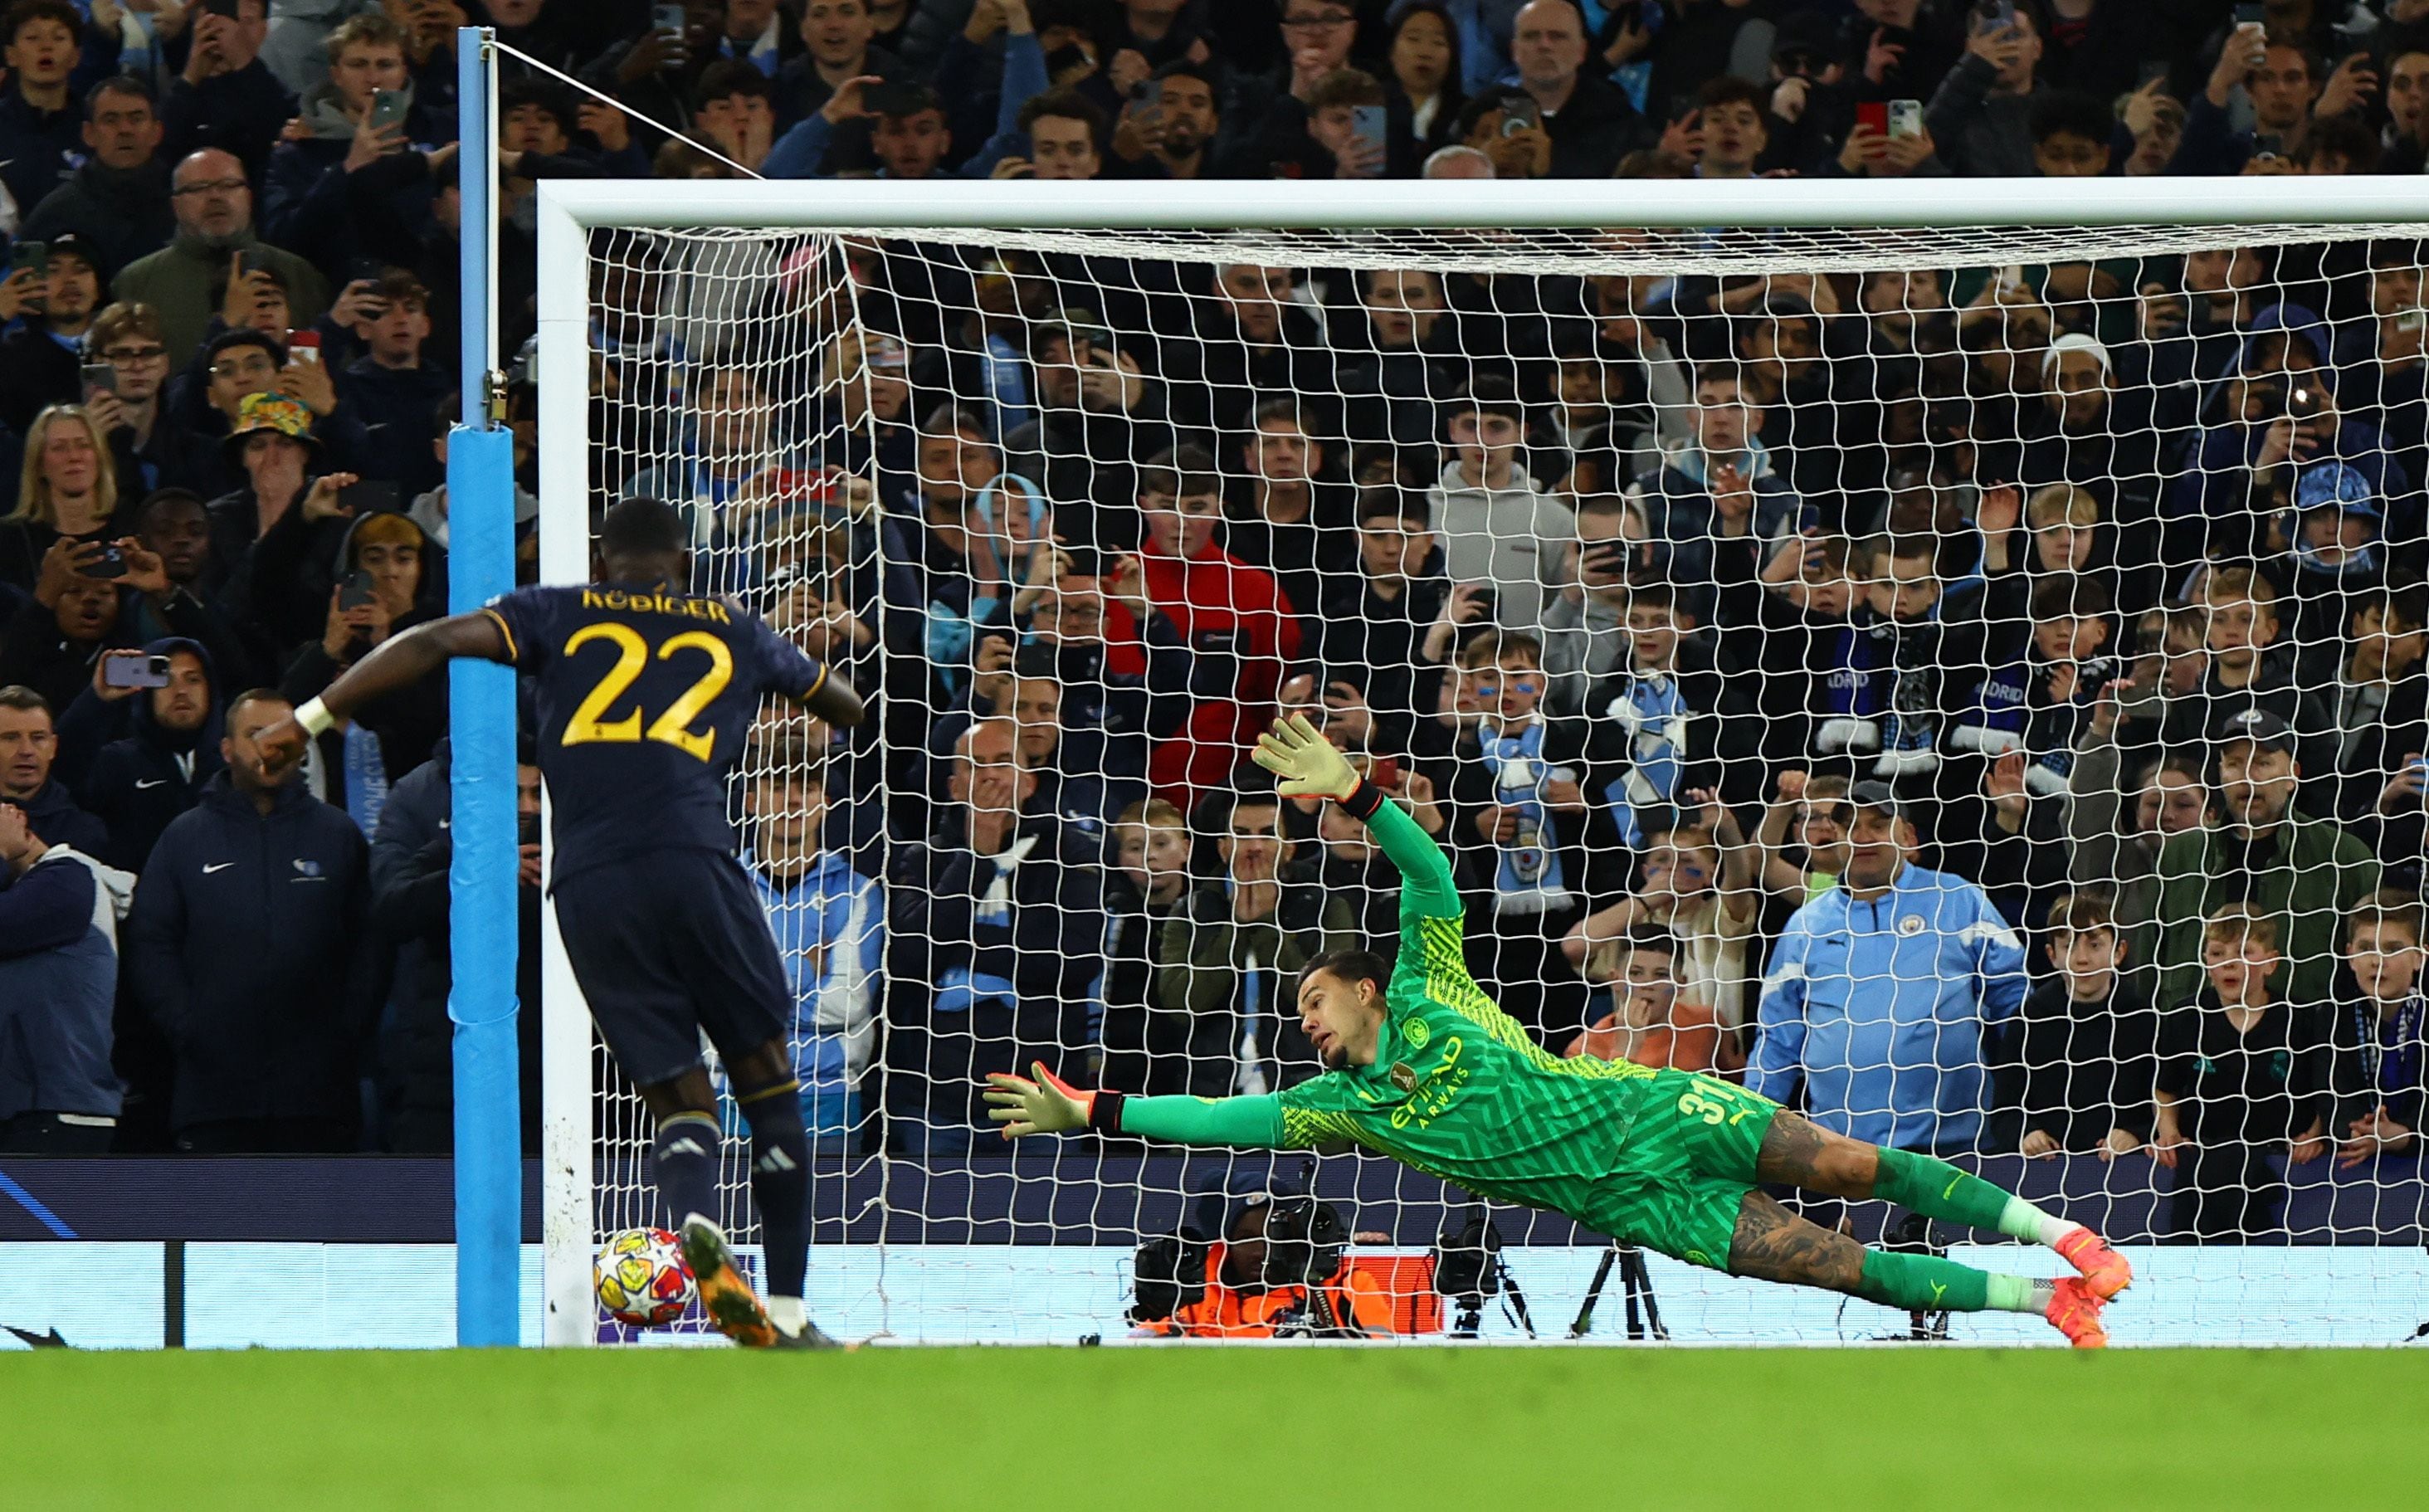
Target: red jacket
x,y
1212,599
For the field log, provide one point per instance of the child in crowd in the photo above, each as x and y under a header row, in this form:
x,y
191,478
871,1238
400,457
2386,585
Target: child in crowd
x,y
2242,1072
2088,1039
2247,666
1148,884
1652,724
2379,1065
1804,838
1520,831
1651,1024
1697,884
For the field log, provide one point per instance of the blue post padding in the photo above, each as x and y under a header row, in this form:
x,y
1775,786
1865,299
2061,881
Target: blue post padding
x,y
483,908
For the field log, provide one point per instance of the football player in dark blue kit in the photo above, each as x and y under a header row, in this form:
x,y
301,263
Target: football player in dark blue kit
x,y
646,695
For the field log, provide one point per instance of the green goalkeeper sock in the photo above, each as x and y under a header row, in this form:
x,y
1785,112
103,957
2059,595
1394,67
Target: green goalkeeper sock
x,y
1935,1188
1927,1283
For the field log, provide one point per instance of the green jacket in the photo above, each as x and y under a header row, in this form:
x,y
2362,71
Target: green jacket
x,y
185,281
1201,978
2309,875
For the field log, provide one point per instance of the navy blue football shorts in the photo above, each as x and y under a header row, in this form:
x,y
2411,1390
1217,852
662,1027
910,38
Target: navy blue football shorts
x,y
668,948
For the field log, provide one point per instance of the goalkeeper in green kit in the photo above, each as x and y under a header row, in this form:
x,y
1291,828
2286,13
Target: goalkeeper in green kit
x,y
1424,1068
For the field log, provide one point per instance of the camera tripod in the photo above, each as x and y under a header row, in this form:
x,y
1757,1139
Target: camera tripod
x,y
1636,1288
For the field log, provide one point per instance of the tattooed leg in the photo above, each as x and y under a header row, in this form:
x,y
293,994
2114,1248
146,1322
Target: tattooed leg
x,y
1772,1244
1796,1153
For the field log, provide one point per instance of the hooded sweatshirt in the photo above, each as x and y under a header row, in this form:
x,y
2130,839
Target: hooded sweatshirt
x,y
137,784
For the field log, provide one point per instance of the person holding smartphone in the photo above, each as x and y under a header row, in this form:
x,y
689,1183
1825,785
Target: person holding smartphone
x,y
1980,117
38,361
363,122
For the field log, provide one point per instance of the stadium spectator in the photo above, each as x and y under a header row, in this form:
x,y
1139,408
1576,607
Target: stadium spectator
x,y
117,201
394,377
390,581
1497,528
247,945
1524,833
1002,929
1881,990
1652,1025
1227,959
38,357
186,280
59,977
2304,874
29,752
1288,515
279,535
1175,138
225,96
412,848
1146,886
2379,1072
2088,1039
2242,1072
1696,885
139,783
1981,114
1240,631
1719,488
129,409
829,924
1588,117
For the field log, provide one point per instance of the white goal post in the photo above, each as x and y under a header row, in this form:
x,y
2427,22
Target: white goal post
x,y
1536,228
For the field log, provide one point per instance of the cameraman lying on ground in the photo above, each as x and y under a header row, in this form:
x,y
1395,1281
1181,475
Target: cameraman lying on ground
x,y
1280,1271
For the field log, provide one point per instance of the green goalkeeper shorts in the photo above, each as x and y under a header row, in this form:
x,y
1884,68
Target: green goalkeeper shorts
x,y
1688,1163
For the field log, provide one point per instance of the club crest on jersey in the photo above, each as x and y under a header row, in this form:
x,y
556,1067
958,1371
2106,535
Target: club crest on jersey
x,y
1911,926
1417,1033
1404,1076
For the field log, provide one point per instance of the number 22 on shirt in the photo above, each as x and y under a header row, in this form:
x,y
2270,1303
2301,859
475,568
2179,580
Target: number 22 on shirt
x,y
590,721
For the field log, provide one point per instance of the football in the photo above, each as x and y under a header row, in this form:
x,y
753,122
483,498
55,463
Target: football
x,y
641,1278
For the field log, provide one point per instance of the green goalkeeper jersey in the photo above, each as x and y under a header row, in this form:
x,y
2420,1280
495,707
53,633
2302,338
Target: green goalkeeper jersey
x,y
1457,1089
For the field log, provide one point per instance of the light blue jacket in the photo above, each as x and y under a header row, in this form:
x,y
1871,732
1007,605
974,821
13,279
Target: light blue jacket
x,y
1879,1009
830,927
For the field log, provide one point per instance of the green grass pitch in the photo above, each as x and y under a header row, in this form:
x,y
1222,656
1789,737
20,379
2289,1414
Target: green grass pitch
x,y
1060,1430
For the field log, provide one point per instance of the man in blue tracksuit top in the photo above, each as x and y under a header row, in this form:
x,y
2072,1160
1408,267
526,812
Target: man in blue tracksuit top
x,y
1879,993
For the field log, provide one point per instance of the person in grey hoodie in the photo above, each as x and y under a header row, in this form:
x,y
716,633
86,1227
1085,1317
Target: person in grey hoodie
x,y
1496,527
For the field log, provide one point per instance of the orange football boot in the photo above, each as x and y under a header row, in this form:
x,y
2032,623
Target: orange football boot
x,y
2074,1312
2104,1271
728,1299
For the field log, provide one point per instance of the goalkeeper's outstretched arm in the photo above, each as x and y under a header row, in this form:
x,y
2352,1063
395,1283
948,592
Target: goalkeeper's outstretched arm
x,y
1309,766
1050,1105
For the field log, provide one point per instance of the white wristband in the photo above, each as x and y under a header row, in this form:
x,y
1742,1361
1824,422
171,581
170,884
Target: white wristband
x,y
315,717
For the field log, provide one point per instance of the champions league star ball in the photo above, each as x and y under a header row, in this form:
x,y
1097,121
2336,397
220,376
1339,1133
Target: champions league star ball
x,y
641,1278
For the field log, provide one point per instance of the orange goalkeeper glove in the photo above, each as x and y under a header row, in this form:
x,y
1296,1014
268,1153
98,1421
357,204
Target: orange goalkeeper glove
x,y
1050,1105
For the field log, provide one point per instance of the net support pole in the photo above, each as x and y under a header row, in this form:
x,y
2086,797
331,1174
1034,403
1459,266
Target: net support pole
x,y
570,1314
482,876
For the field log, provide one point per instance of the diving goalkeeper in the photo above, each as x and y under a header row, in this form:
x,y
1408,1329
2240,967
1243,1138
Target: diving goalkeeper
x,y
1424,1068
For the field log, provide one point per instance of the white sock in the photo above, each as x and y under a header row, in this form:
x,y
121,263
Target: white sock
x,y
2021,1219
787,1314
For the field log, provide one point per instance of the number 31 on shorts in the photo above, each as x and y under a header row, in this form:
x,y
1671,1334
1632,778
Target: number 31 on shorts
x,y
1715,1103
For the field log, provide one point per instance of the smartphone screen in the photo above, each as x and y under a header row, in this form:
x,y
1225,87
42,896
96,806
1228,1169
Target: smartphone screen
x,y
368,497
1367,123
387,109
1874,113
1519,114
355,592
98,377
135,672
33,255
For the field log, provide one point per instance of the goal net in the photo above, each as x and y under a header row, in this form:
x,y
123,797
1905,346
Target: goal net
x,y
1963,680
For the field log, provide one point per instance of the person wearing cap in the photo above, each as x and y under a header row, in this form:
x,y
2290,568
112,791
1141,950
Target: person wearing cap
x,y
1882,991
2305,873
278,534
40,357
118,200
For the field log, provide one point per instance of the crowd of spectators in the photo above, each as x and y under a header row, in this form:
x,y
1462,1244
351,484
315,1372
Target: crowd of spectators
x,y
1983,704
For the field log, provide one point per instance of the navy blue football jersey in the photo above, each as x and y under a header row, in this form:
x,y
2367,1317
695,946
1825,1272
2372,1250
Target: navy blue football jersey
x,y
645,699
